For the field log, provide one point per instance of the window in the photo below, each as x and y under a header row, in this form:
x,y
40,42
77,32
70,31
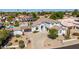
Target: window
x,y
36,28
41,27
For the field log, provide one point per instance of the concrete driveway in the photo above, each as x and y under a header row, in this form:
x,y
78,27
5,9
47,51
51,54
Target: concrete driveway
x,y
37,39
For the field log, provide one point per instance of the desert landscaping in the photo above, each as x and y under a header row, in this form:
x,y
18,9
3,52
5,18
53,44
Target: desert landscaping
x,y
39,30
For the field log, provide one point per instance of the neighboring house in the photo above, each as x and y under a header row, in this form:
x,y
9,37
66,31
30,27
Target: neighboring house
x,y
24,18
76,23
67,22
70,22
25,27
17,19
4,18
10,27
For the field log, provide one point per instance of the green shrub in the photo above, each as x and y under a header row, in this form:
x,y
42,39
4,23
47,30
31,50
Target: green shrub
x,y
4,34
21,44
53,33
18,36
35,31
16,40
16,24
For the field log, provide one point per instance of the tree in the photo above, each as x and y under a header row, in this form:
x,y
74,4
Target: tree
x,y
68,33
21,44
53,33
3,35
75,12
34,15
43,13
16,23
9,18
57,15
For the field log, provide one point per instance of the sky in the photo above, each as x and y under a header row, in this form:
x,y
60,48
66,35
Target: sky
x,y
39,4
32,10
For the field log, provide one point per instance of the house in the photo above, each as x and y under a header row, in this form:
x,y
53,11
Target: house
x,y
62,31
17,19
43,24
25,27
76,23
16,30
10,27
4,18
24,18
70,22
40,27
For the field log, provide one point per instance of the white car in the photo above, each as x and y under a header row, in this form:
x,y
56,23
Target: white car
x,y
18,32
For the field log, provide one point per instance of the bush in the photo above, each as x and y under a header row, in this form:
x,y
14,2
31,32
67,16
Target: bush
x,y
16,24
4,34
18,36
16,40
35,31
53,33
21,44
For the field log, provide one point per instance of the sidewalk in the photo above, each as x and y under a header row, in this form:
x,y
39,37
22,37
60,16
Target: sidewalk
x,y
68,43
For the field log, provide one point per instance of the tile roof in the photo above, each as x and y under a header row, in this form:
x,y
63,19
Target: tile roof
x,y
43,20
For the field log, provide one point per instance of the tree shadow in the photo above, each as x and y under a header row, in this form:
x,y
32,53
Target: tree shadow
x,y
5,42
51,37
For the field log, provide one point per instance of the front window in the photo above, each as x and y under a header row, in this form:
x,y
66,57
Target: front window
x,y
36,28
41,27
